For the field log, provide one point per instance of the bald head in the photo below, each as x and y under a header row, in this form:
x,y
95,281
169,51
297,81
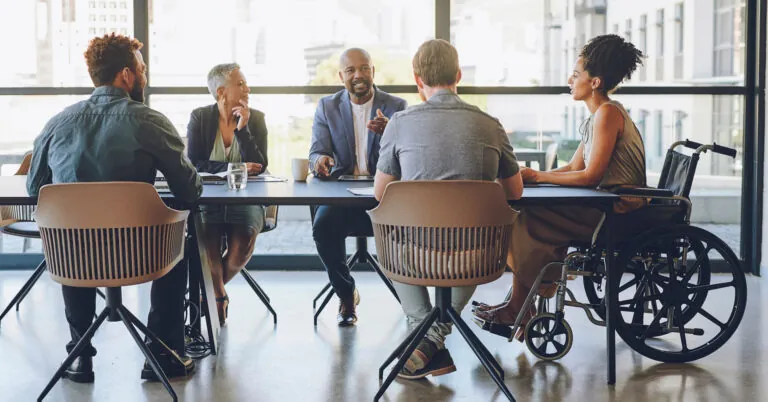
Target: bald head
x,y
353,52
356,71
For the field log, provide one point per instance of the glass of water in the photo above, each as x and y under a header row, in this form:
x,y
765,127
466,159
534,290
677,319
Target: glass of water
x,y
237,176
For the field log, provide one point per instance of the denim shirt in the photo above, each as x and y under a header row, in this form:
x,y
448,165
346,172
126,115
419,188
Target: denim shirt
x,y
110,137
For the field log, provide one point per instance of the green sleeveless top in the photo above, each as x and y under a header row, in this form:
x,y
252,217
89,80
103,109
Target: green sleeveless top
x,y
219,153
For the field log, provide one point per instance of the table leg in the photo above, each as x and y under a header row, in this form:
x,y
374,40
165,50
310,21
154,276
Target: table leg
x,y
202,269
527,163
611,297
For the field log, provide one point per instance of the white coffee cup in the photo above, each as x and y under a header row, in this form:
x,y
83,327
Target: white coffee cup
x,y
300,169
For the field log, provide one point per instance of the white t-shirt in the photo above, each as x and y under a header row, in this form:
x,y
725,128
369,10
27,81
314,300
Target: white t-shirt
x,y
361,114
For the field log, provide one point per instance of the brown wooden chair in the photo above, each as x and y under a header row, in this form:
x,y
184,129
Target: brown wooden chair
x,y
88,243
443,234
19,221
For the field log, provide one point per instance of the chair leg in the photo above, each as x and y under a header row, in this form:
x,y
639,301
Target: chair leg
x,y
75,352
376,267
407,341
462,326
421,332
24,289
151,335
147,353
319,295
28,286
480,351
259,292
254,285
322,305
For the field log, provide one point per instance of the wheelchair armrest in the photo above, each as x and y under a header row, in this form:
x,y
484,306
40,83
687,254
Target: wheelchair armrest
x,y
644,192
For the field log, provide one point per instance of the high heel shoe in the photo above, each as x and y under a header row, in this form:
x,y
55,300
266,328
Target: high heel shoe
x,y
222,305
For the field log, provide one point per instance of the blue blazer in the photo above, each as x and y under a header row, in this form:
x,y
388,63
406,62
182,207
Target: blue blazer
x,y
333,131
201,133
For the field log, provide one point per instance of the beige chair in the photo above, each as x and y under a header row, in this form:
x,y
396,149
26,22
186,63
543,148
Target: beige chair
x,y
443,234
18,220
88,244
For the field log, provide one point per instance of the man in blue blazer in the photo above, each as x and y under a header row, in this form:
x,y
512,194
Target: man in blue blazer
x,y
345,141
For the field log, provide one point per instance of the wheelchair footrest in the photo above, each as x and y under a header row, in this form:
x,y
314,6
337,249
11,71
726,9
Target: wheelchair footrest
x,y
498,329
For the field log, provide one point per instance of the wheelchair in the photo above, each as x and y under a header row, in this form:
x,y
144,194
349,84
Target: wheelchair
x,y
666,270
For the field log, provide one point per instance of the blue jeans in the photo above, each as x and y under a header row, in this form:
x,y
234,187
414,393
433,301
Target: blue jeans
x,y
330,229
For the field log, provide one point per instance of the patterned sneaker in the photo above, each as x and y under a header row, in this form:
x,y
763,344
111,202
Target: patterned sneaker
x,y
440,364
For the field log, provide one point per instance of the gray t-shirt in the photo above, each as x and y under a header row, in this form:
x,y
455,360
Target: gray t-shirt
x,y
446,138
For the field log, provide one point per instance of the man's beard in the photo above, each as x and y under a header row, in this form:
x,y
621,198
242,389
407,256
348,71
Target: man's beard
x,y
363,93
137,92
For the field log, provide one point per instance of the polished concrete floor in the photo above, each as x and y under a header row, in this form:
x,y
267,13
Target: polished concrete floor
x,y
295,361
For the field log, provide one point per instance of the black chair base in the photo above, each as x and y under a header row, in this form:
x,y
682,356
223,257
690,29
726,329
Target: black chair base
x,y
259,292
360,256
115,311
445,313
24,289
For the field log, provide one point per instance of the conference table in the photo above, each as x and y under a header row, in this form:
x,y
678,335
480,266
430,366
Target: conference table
x,y
321,192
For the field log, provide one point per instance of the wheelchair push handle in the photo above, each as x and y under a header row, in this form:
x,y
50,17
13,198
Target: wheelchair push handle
x,y
699,147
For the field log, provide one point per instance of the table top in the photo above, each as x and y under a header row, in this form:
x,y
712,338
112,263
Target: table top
x,y
529,151
319,192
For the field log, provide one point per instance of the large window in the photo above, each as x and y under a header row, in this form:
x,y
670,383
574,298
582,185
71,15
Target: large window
x,y
286,42
660,44
729,37
516,56
44,40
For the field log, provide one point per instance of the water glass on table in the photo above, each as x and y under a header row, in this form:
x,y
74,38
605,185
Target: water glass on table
x,y
237,176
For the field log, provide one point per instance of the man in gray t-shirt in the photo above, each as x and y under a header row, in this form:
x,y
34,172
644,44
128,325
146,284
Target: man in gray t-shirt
x,y
443,138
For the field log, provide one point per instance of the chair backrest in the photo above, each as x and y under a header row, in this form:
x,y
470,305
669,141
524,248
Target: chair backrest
x,y
678,172
550,158
270,218
18,213
108,234
443,233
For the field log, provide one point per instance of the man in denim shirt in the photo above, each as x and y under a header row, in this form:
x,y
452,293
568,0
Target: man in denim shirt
x,y
113,136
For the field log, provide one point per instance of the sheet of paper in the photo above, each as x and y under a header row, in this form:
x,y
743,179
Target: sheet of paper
x,y
266,178
362,191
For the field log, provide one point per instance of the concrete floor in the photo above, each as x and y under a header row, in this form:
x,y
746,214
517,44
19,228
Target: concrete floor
x,y
295,361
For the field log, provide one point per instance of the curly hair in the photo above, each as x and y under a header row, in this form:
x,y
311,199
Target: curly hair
x,y
108,55
611,58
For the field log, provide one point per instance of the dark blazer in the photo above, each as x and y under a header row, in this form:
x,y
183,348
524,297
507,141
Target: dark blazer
x,y
333,131
201,133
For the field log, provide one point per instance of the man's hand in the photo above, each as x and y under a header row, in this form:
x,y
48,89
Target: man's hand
x,y
323,166
379,123
529,175
254,168
243,112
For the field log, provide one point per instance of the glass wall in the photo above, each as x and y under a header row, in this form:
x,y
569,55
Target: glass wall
x,y
515,55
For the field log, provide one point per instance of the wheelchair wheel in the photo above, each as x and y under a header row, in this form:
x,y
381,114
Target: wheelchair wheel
x,y
548,337
693,313
635,275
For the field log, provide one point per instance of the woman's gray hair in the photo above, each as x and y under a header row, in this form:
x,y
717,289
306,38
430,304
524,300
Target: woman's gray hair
x,y
217,77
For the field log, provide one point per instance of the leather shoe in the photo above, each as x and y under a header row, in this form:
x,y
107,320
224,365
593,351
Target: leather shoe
x,y
81,370
170,365
347,314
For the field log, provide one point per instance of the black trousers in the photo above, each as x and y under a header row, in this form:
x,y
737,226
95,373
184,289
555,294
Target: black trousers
x,y
166,315
330,229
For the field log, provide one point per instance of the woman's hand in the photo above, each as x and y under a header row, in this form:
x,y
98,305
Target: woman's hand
x,y
529,175
243,112
254,168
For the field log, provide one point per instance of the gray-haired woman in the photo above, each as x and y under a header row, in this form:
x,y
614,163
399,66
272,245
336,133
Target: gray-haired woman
x,y
228,131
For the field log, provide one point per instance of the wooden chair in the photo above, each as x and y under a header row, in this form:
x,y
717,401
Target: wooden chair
x,y
443,234
88,244
19,221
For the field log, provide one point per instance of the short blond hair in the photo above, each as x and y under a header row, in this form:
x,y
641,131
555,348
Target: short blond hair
x,y
436,63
